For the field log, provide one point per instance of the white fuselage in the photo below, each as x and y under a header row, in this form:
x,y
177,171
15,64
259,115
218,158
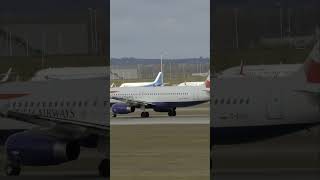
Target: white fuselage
x,y
278,70
58,99
71,73
138,84
180,96
199,83
253,108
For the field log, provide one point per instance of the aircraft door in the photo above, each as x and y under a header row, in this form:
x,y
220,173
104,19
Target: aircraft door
x,y
274,104
196,94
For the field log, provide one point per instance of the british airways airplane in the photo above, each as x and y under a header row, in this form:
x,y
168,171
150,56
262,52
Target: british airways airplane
x,y
161,99
157,82
66,119
252,109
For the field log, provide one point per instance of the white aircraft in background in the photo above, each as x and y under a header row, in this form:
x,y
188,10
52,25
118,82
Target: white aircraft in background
x,y
196,83
6,76
68,115
69,73
157,82
251,109
274,70
160,99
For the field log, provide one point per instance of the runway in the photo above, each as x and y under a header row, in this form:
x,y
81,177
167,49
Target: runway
x,y
267,174
158,120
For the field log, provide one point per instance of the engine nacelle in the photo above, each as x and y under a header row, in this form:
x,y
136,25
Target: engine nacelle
x,y
121,108
40,150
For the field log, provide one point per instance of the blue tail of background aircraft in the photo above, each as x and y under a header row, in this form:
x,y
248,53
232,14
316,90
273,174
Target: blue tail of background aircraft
x,y
159,80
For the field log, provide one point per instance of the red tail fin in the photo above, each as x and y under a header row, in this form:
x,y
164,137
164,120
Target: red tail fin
x,y
312,65
207,81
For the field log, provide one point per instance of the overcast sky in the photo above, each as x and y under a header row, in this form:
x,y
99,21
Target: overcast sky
x,y
145,28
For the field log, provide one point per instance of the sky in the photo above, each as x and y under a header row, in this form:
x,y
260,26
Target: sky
x,y
151,28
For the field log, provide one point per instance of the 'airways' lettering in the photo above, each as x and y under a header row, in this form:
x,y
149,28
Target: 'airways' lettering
x,y
51,113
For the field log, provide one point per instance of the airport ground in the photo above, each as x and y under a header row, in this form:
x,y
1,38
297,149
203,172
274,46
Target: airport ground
x,y
164,147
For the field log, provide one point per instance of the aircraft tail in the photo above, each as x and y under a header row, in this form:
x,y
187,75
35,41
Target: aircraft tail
x,y
159,80
312,65
6,77
207,81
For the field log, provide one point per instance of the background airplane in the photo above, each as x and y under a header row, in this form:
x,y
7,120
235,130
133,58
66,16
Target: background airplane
x,y
70,73
6,76
157,82
251,109
160,99
66,119
274,70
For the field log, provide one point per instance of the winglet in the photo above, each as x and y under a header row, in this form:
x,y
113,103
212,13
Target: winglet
x,y
6,77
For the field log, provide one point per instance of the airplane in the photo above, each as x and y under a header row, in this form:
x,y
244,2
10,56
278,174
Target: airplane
x,y
274,70
6,76
70,73
67,115
196,83
157,82
253,109
160,99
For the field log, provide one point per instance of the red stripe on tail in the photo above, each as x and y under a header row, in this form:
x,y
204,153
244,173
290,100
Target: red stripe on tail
x,y
312,71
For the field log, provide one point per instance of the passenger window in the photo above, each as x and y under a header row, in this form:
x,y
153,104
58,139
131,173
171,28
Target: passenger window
x,y
241,101
31,104
216,101
221,101
80,104
247,101
228,101
68,103
235,101
56,104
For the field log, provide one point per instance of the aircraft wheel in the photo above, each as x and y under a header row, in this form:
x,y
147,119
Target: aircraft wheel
x,y
104,168
147,114
12,170
170,113
174,113
114,115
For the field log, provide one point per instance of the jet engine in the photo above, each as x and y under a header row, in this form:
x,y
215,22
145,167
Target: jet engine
x,y
40,150
121,108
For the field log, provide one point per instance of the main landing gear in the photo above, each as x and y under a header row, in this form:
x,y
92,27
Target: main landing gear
x,y
144,114
12,169
172,112
104,168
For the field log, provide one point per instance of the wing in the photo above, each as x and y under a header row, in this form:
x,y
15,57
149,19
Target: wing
x,y
131,101
65,126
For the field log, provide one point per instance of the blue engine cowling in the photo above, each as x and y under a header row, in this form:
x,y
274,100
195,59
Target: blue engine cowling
x,y
121,108
40,150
